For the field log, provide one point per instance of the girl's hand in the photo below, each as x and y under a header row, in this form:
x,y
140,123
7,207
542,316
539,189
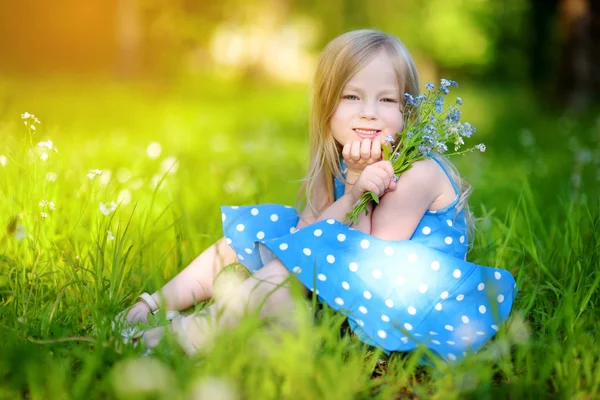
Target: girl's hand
x,y
377,178
361,153
138,313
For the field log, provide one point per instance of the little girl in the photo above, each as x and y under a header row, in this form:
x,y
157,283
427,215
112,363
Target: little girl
x,y
400,274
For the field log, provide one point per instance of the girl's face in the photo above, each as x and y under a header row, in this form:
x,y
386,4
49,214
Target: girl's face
x,y
370,104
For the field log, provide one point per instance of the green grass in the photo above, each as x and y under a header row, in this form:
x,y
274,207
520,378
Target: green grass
x,y
62,280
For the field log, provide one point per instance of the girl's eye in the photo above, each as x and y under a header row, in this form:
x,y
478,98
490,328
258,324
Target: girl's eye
x,y
389,100
349,97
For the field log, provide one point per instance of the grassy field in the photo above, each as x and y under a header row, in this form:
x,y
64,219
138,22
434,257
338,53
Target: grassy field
x,y
169,159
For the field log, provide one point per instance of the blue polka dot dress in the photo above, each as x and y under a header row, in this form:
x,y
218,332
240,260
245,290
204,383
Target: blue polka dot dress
x,y
396,294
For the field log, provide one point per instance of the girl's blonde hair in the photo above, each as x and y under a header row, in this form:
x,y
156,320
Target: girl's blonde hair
x,y
343,57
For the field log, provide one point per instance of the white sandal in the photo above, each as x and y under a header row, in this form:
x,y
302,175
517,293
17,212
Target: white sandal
x,y
130,331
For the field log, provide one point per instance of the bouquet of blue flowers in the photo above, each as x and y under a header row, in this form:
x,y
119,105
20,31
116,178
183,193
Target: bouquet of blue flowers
x,y
429,126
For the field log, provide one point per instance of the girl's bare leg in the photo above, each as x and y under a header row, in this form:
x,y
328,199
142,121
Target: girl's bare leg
x,y
265,290
194,283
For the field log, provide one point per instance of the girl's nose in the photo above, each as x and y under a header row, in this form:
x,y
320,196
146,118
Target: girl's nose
x,y
368,111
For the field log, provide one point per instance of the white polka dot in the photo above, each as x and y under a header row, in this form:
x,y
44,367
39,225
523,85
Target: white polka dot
x,y
412,310
438,306
360,322
240,227
388,251
432,333
389,303
376,273
465,319
422,288
346,285
331,221
293,230
318,232
451,342
330,259
497,275
254,211
435,341
460,297
241,257
404,339
307,251
495,327
482,309
365,244
444,295
367,294
456,273
480,333
449,222
451,356
461,239
449,328
381,334
448,240
317,292
297,270
435,265
228,241
341,237
339,301
321,277
481,286
353,267
400,280
500,298
385,318
408,326
260,235
283,246
274,217
426,230
362,309
412,257
248,251
235,207
433,211
223,217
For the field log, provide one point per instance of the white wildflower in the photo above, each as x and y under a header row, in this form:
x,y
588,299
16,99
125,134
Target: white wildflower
x,y
25,115
48,144
480,147
51,176
110,235
44,215
92,173
154,149
3,160
44,156
108,208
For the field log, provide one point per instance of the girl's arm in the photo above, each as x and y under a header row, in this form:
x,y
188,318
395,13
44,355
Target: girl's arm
x,y
400,211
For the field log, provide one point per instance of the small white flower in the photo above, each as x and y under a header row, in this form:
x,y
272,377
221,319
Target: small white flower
x,y
480,147
51,176
108,208
32,127
3,160
44,156
43,203
51,205
47,144
25,115
44,215
92,173
110,235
